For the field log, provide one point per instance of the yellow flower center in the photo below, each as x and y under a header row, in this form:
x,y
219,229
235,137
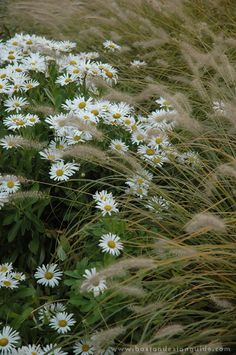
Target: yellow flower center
x,y
7,283
111,244
48,275
140,137
77,138
29,42
108,207
2,76
118,146
108,73
3,269
17,104
10,184
139,190
150,151
82,104
59,172
140,181
85,347
1,86
4,341
157,160
60,146
166,103
76,71
14,43
61,123
95,112
33,353
67,80
20,122
62,323
158,140
116,115
32,119
72,62
18,70
11,57
127,122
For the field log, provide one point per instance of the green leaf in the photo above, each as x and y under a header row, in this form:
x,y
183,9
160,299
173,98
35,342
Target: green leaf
x,y
13,232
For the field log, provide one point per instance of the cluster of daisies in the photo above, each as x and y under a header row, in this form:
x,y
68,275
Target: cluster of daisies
x,y
53,315
25,55
25,62
10,340
9,278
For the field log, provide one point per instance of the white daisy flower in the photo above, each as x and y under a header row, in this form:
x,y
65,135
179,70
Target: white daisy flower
x,y
49,310
80,103
117,113
138,63
35,62
48,275
102,195
11,55
8,340
15,104
164,104
190,158
83,347
9,282
60,143
108,351
4,198
6,268
107,207
32,119
53,349
93,283
64,46
15,122
31,350
108,73
218,106
152,155
61,171
118,146
112,46
110,243
159,140
65,79
10,141
51,154
19,276
75,136
9,184
157,203
138,136
57,122
30,84
4,86
62,322
147,151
